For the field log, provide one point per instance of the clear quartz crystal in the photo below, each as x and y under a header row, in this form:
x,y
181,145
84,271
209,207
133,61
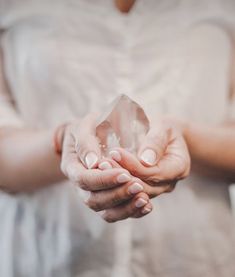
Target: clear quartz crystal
x,y
123,124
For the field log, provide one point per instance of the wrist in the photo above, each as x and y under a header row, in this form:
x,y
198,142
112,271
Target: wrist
x,y
185,128
58,138
182,126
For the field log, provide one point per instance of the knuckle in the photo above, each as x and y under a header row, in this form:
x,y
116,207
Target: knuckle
x,y
96,202
138,215
100,181
161,191
147,189
117,197
143,195
109,219
131,209
153,192
154,181
114,202
95,206
170,188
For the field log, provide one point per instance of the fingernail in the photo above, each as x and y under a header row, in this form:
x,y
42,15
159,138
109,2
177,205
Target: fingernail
x,y
140,203
115,155
123,178
105,165
91,159
149,157
146,210
135,188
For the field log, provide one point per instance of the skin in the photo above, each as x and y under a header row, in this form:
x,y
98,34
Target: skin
x,y
215,156
27,157
124,6
106,192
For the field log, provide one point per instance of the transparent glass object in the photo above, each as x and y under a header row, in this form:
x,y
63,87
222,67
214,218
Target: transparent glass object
x,y
123,124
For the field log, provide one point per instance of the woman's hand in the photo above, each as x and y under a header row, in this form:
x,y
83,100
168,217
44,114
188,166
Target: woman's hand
x,y
162,159
108,188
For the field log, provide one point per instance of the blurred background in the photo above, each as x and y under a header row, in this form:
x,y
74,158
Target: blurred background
x,y
62,59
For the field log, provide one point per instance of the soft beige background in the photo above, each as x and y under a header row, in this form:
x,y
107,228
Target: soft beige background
x,y
66,58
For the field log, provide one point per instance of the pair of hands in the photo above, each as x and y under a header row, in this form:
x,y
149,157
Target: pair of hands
x,y
122,184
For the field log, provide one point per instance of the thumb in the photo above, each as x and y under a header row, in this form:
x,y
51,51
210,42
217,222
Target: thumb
x,y
87,144
153,146
89,152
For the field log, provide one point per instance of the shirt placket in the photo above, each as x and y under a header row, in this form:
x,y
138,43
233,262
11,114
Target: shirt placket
x,y
123,233
123,61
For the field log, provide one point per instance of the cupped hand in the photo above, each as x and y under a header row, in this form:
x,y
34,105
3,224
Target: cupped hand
x,y
162,160
113,191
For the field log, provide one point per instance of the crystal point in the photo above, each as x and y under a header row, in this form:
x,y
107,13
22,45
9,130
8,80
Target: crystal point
x,y
123,124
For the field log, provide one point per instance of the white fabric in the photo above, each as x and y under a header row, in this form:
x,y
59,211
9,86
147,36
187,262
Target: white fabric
x,y
65,58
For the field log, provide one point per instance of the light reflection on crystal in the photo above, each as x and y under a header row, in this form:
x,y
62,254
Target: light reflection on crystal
x,y
124,124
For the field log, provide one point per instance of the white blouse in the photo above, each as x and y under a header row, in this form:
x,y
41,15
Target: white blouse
x,y
65,58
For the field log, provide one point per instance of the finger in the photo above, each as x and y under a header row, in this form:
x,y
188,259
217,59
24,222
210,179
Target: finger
x,y
129,161
126,210
95,179
143,211
155,190
86,143
113,197
154,145
174,166
70,165
107,163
